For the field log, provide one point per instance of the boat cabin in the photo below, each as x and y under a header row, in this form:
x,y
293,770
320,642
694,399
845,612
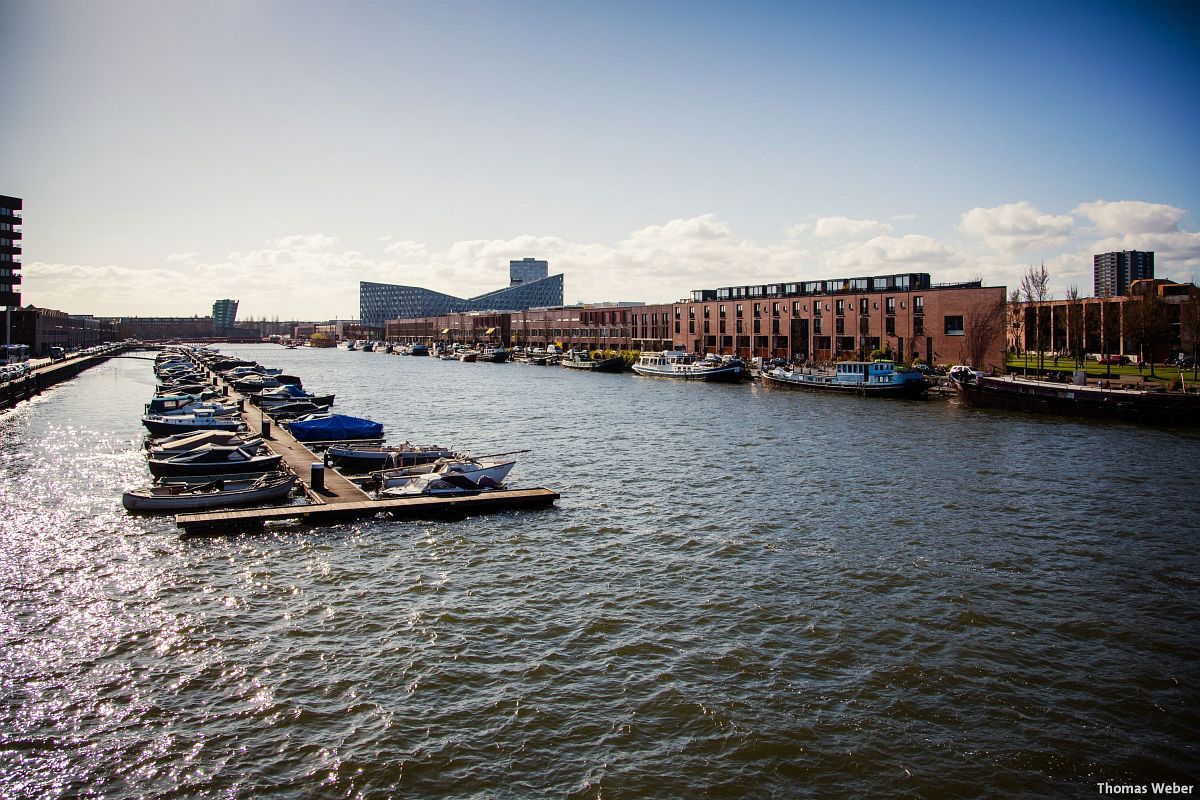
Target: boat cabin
x,y
868,372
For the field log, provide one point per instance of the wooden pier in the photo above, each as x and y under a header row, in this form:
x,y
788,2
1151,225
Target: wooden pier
x,y
340,500
216,522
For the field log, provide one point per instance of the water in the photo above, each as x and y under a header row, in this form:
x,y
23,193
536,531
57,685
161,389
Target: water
x,y
741,593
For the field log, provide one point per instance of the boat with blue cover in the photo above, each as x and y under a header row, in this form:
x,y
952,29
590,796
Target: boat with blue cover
x,y
881,378
333,428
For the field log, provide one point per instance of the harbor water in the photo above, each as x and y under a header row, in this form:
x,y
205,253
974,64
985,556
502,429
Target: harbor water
x,y
741,593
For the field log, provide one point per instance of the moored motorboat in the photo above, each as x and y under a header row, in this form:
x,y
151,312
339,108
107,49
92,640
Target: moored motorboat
x,y
681,365
580,360
358,458
167,424
880,378
184,442
334,428
173,498
214,460
434,484
484,472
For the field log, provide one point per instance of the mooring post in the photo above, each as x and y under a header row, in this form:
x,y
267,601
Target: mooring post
x,y
316,476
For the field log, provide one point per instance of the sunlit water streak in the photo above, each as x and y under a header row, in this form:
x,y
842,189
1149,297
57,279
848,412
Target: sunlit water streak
x,y
740,593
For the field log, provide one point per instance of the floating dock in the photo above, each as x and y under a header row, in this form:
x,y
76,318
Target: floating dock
x,y
339,500
214,522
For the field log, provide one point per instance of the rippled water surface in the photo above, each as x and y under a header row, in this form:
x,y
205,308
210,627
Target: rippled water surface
x,y
740,593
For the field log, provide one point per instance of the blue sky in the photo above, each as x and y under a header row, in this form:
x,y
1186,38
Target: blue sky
x,y
279,152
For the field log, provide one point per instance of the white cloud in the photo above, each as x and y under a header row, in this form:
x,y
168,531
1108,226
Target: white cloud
x,y
1131,216
308,277
1017,227
846,228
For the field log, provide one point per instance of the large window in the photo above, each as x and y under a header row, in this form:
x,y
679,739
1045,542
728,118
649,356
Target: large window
x,y
954,326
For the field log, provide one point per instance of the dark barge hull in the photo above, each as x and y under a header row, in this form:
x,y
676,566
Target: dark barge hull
x,y
911,390
1150,408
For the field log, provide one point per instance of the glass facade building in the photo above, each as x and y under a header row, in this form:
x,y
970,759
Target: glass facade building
x,y
379,302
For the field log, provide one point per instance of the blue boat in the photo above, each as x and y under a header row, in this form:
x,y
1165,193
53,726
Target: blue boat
x,y
334,428
880,378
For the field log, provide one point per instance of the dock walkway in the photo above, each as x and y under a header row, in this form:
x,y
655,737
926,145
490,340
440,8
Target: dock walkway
x,y
341,500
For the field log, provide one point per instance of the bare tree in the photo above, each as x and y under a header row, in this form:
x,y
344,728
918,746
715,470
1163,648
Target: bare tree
x,y
1075,327
1147,320
1110,331
1035,287
1189,328
1016,319
984,327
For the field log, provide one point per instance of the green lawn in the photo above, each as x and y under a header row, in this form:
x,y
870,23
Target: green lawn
x,y
1097,370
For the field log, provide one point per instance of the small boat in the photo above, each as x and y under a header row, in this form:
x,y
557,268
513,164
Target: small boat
x,y
578,359
289,393
485,472
214,460
419,350
467,356
357,458
333,428
496,355
172,498
187,404
865,378
189,441
167,424
685,366
434,484
184,443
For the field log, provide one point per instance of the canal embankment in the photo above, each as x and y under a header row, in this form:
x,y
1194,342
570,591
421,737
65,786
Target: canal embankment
x,y
43,377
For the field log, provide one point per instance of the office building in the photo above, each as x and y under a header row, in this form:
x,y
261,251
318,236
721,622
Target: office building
x,y
380,302
1114,272
527,270
224,313
10,251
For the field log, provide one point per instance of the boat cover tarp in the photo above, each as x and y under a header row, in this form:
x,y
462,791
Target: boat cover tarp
x,y
335,427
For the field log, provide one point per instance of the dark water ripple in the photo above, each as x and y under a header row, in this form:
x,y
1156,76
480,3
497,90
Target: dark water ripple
x,y
741,593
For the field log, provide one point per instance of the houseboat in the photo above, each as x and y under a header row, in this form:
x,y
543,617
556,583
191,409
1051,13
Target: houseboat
x,y
1147,406
866,378
685,366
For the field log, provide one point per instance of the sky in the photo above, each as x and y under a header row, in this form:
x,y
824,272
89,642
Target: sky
x,y
277,152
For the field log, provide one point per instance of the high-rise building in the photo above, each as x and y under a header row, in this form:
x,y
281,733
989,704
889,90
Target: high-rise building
x,y
10,251
527,270
1115,271
224,314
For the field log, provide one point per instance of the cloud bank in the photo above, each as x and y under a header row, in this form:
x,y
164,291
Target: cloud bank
x,y
315,276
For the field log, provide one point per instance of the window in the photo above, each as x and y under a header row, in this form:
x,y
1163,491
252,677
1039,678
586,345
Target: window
x,y
738,310
890,305
721,312
841,307
889,326
918,326
918,305
954,326
775,309
863,308
840,325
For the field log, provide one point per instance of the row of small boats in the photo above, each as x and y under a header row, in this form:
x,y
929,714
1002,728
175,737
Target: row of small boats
x,y
202,456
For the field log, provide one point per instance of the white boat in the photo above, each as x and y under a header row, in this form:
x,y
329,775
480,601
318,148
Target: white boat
x,y
484,473
167,424
685,366
171,498
434,484
185,442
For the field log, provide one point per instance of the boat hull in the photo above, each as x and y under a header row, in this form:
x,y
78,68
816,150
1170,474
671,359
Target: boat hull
x,y
1042,397
730,374
350,459
164,468
170,500
909,390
